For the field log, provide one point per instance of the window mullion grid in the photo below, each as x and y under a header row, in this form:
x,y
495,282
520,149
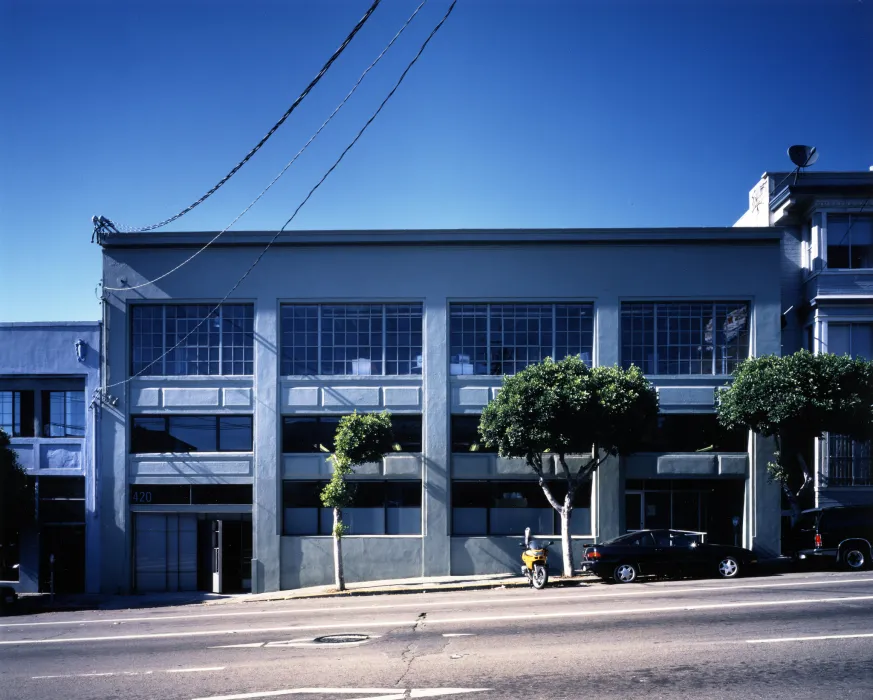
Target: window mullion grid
x,y
655,334
318,342
714,343
164,350
487,339
555,333
385,340
220,342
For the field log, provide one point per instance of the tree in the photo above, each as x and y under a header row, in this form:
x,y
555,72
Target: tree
x,y
566,408
360,438
794,399
16,498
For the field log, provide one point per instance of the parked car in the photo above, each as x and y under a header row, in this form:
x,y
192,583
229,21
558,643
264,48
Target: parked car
x,y
665,553
840,534
8,600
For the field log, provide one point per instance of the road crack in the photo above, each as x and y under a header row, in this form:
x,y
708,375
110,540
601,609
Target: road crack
x,y
408,655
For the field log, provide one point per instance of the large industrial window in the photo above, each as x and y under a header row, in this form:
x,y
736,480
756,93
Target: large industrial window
x,y
850,241
508,507
855,339
378,508
351,339
308,434
684,337
499,339
222,344
16,413
63,413
157,434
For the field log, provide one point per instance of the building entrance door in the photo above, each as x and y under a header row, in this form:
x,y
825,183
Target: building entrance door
x,y
226,555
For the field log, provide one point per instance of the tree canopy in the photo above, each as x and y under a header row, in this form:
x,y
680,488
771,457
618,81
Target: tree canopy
x,y
16,494
795,399
566,408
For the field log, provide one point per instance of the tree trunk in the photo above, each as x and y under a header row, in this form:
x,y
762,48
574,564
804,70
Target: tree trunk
x,y
338,576
793,501
566,540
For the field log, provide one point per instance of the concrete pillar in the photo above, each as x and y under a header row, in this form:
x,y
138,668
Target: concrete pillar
x,y
267,489
437,457
608,499
766,500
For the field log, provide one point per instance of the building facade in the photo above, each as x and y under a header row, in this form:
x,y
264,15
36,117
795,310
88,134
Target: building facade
x,y
217,418
827,294
48,374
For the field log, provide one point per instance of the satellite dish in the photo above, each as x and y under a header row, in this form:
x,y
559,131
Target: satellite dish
x,y
803,156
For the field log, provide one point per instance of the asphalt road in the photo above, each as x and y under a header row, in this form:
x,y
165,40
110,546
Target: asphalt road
x,y
791,636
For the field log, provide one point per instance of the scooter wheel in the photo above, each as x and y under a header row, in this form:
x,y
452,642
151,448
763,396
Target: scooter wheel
x,y
540,576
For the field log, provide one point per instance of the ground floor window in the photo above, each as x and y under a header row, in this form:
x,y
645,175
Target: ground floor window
x,y
378,508
699,505
507,507
10,555
848,462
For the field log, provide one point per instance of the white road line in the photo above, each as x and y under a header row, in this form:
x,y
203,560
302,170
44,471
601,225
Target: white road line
x,y
459,634
808,639
131,673
448,621
382,693
542,599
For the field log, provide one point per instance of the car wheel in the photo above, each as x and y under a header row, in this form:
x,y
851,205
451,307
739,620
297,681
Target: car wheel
x,y
625,573
728,567
855,557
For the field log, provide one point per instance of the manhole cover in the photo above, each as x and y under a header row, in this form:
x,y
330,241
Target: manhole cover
x,y
341,638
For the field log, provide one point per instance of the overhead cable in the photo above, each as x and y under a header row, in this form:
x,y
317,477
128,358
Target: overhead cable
x,y
312,84
299,206
282,172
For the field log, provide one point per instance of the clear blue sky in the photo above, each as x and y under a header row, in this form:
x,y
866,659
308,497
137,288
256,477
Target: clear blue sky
x,y
521,113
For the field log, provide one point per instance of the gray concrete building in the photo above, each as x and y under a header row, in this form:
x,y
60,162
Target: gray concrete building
x,y
215,421
48,374
827,293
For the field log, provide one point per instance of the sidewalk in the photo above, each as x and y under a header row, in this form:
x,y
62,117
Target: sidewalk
x,y
41,602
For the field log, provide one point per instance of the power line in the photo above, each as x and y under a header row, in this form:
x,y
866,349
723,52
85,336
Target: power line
x,y
101,224
299,206
282,172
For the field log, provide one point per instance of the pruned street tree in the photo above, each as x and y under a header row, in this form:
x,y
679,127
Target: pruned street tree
x,y
360,438
16,499
566,408
795,399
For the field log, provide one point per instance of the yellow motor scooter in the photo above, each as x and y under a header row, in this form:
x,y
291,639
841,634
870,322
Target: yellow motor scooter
x,y
535,558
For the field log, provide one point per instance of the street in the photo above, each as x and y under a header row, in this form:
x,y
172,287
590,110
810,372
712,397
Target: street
x,y
798,635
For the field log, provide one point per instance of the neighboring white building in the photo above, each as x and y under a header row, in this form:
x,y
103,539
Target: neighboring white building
x,y
827,293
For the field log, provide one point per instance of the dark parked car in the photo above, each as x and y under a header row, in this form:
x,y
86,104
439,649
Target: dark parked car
x,y
664,553
842,534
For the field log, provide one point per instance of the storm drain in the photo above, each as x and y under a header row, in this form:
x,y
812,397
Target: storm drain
x,y
342,639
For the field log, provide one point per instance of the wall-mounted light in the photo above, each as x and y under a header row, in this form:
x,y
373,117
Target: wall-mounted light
x,y
81,349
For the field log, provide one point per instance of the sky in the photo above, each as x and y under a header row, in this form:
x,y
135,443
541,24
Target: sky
x,y
519,114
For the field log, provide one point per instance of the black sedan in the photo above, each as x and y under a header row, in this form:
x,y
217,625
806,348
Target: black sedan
x,y
665,553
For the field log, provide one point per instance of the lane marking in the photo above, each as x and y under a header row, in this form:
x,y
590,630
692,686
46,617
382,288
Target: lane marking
x,y
130,673
447,621
542,599
808,639
459,634
382,693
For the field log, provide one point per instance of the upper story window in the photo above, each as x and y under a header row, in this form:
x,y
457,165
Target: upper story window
x,y
16,413
855,339
157,434
850,241
465,435
310,434
685,337
693,432
223,343
63,413
351,339
498,339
